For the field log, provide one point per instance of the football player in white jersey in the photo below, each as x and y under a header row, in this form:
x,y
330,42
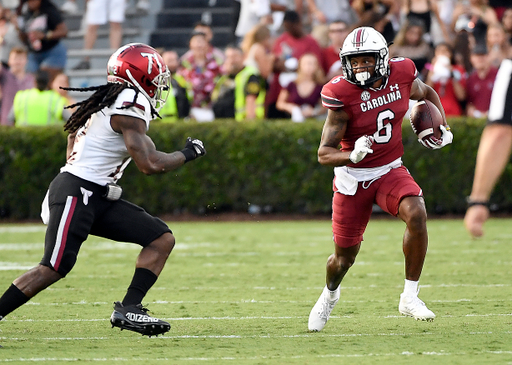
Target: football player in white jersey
x,y
106,132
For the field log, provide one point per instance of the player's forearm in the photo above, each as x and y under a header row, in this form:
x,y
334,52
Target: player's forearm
x,y
330,156
160,162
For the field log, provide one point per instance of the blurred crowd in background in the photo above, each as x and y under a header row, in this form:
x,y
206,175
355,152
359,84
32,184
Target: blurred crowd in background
x,y
282,53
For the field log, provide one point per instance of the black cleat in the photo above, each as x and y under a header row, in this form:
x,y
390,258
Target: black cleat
x,y
135,318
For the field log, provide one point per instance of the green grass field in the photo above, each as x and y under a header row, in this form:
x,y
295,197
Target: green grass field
x,y
241,293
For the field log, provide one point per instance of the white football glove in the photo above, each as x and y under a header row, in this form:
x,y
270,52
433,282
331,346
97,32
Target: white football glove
x,y
434,143
361,148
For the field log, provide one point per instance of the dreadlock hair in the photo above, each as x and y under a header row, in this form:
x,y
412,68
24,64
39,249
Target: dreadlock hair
x,y
103,97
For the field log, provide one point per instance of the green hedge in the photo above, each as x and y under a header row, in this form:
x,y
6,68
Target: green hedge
x,y
271,163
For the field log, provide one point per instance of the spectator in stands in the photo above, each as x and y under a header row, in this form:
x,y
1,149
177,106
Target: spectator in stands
x,y
480,82
252,12
9,37
461,49
97,13
201,71
506,21
240,92
448,80
499,6
178,102
42,28
327,11
214,52
497,44
288,48
256,46
59,85
338,31
13,80
427,12
39,106
377,14
409,42
301,98
466,14
445,8
70,7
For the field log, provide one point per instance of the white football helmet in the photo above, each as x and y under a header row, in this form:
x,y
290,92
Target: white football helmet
x,y
365,40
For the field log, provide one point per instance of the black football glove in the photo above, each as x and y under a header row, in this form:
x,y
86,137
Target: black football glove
x,y
194,148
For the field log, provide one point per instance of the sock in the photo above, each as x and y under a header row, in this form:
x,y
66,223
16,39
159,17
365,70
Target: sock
x,y
411,287
12,299
142,281
332,295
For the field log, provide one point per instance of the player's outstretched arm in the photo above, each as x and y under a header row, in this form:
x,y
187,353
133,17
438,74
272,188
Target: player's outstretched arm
x,y
143,151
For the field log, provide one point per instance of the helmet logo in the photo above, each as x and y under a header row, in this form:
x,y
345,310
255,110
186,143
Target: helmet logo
x,y
151,57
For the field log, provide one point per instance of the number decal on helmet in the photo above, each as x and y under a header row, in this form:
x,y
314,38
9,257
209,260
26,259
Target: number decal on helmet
x,y
150,57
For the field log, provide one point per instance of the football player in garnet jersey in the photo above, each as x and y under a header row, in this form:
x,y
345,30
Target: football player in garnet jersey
x,y
365,110
106,132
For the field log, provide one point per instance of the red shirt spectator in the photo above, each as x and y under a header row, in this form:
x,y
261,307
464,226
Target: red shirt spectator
x,y
480,83
338,31
448,80
293,43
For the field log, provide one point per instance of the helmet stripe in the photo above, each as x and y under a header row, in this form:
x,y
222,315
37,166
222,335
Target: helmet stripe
x,y
359,38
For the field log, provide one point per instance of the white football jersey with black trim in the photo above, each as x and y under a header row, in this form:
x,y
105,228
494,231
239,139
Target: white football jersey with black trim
x,y
99,153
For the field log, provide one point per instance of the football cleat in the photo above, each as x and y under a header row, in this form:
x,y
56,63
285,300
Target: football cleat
x,y
412,306
135,318
322,310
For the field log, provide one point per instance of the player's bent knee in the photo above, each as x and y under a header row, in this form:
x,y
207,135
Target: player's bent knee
x,y
416,218
341,263
164,243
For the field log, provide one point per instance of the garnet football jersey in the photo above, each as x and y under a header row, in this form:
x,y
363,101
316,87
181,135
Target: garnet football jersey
x,y
374,112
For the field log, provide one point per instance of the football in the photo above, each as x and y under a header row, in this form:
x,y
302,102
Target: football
x,y
425,119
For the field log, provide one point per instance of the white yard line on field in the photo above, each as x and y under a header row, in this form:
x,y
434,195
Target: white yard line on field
x,y
202,337
249,358
230,318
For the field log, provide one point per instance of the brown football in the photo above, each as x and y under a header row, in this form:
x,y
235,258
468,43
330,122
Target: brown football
x,y
425,119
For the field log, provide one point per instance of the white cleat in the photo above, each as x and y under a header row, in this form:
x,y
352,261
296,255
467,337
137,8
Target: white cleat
x,y
322,310
413,306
